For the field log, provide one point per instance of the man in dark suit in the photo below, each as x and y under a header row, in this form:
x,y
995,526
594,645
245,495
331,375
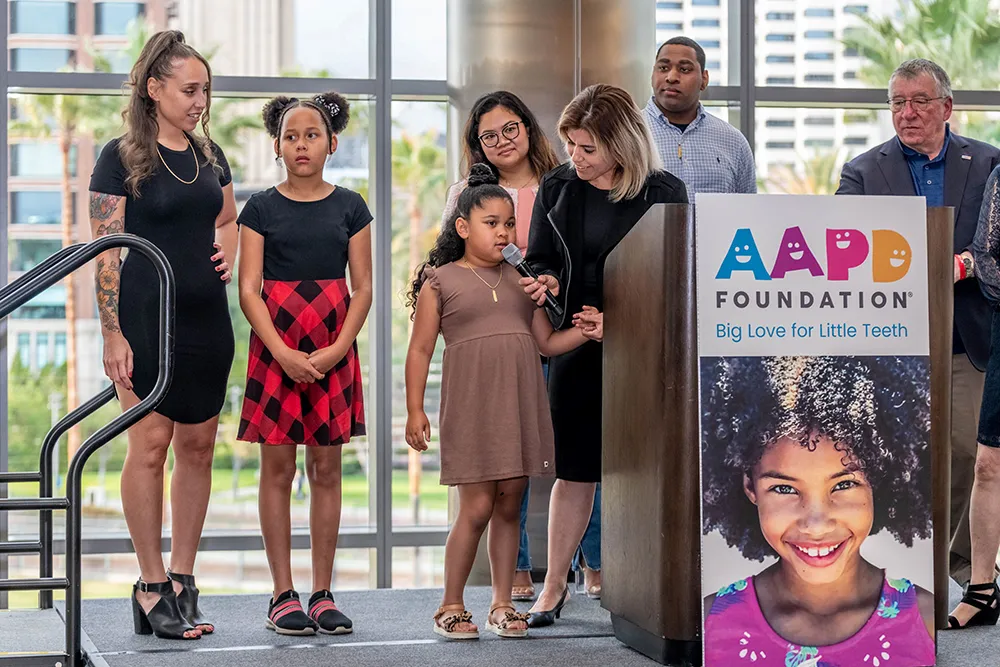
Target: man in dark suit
x,y
925,158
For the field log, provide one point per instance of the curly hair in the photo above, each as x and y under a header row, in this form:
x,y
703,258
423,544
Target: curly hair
x,y
332,107
482,186
876,410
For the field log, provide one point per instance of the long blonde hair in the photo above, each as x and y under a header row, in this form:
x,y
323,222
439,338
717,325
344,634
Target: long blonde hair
x,y
612,119
137,148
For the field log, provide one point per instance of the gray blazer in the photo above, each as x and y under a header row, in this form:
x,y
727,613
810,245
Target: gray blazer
x,y
883,171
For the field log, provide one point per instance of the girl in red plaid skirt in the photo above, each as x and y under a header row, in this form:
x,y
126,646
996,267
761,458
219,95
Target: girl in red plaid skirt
x,y
303,375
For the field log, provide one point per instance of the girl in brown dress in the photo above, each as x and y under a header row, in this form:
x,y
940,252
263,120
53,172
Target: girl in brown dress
x,y
496,430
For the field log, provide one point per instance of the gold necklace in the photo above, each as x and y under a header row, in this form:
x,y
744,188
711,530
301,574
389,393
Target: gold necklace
x,y
493,288
530,179
197,165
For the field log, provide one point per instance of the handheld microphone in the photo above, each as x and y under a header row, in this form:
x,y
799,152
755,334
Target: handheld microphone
x,y
514,257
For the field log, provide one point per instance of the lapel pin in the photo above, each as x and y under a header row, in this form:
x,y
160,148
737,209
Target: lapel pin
x,y
966,157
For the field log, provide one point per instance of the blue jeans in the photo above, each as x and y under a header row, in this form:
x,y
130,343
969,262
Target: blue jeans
x,y
590,546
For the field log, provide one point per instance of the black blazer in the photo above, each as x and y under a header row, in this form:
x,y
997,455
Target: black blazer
x,y
883,171
555,238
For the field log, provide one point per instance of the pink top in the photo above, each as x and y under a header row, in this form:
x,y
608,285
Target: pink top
x,y
524,200
736,633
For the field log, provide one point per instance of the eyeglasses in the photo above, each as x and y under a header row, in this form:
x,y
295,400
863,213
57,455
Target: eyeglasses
x,y
919,104
491,139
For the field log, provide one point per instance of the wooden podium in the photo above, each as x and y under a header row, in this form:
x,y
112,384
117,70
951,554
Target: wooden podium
x,y
651,509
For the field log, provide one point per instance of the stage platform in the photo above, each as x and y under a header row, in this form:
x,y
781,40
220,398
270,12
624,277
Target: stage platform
x,y
392,627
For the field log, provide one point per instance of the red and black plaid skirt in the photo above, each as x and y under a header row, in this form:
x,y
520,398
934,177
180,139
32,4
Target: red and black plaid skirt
x,y
308,315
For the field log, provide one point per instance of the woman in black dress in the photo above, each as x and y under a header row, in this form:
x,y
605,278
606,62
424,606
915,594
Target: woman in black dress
x,y
163,182
582,211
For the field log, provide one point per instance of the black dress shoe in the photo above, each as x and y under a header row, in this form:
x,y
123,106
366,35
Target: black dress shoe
x,y
988,605
541,619
165,619
187,600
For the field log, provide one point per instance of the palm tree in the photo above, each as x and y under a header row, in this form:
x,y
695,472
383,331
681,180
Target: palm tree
x,y
820,175
420,172
67,117
963,36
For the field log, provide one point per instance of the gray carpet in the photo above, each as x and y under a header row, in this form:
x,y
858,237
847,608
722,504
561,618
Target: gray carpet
x,y
392,628
31,631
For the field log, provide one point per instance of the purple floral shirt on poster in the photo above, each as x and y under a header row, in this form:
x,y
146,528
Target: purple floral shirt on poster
x,y
894,636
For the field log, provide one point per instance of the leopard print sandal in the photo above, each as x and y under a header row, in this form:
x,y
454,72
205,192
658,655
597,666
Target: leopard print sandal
x,y
449,616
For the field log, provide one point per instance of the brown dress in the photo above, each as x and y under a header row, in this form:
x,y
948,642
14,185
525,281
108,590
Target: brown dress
x,y
495,421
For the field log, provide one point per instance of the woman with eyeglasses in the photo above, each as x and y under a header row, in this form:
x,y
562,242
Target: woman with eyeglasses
x,y
502,132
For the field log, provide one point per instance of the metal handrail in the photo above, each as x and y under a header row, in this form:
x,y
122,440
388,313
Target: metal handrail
x,y
47,484
26,288
44,264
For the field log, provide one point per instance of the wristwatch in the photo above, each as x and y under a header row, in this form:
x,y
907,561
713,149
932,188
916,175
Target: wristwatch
x,y
967,261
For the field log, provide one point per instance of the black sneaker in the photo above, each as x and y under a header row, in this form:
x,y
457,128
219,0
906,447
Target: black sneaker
x,y
286,617
323,610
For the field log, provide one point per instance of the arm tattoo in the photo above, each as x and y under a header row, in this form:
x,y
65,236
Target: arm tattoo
x,y
103,206
108,283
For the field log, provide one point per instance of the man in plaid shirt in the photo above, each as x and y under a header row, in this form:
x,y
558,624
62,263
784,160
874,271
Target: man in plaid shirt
x,y
705,152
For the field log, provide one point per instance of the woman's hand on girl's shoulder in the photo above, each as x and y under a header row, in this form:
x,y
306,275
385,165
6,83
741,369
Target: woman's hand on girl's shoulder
x,y
418,430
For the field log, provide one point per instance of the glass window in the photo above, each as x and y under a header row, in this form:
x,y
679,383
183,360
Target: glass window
x,y
120,61
39,160
705,23
820,149
40,60
859,10
780,37
24,350
318,38
419,186
710,43
819,78
850,76
818,55
112,18
42,18
41,349
817,12
851,53
35,207
780,59
49,305
26,254
670,5
781,80
780,16
712,65
419,39
705,3
819,34
60,349
780,123
672,25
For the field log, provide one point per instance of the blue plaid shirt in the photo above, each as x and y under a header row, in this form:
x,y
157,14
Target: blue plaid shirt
x,y
709,156
928,174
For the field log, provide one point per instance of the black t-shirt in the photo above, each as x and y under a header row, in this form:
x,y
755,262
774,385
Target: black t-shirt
x,y
305,240
681,126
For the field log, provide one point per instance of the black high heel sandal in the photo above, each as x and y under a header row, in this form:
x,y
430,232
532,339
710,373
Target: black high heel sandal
x,y
165,619
187,600
988,605
541,619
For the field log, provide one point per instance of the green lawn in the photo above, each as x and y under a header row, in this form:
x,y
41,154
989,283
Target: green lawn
x,y
355,492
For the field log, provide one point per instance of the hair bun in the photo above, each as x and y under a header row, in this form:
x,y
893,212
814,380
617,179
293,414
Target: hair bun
x,y
481,174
